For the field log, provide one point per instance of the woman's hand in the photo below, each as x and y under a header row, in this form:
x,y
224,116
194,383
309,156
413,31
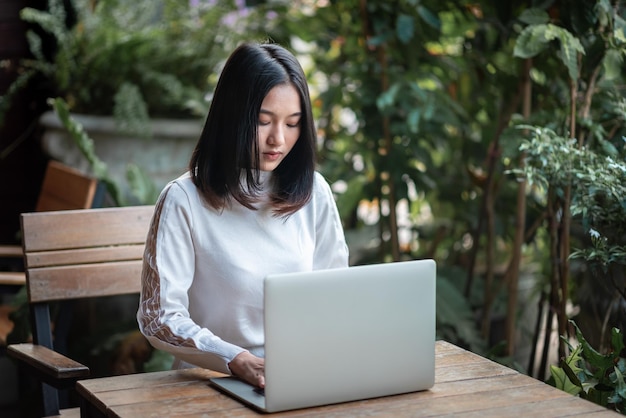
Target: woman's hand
x,y
249,368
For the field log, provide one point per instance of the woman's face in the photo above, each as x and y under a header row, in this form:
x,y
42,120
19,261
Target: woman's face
x,y
279,125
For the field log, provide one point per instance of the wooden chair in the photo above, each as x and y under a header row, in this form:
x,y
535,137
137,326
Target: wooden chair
x,y
73,255
63,188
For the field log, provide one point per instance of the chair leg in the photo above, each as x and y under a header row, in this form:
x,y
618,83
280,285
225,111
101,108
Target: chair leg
x,y
50,400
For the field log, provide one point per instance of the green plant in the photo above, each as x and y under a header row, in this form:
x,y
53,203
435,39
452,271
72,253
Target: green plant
x,y
416,102
594,376
141,186
574,160
598,202
134,60
594,176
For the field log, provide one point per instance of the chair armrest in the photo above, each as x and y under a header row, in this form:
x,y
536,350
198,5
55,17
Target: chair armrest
x,y
48,362
12,278
11,251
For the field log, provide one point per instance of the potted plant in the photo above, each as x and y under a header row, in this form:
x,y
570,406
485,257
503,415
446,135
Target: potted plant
x,y
118,66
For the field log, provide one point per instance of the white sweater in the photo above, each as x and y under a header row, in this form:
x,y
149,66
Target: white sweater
x,y
202,279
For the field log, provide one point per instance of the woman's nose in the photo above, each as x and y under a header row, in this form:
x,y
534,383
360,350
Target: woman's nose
x,y
276,136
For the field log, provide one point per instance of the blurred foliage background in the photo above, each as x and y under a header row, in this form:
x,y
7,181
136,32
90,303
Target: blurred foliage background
x,y
488,135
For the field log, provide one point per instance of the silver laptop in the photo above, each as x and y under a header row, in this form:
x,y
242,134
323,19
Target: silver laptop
x,y
345,334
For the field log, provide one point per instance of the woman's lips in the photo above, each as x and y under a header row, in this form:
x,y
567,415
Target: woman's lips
x,y
272,156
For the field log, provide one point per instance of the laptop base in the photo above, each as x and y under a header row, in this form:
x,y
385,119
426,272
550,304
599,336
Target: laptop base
x,y
240,390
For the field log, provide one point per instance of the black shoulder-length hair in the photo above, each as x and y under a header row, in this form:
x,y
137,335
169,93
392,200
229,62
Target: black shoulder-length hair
x,y
225,162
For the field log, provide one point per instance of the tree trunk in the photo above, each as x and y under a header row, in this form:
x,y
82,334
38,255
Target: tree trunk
x,y
520,224
385,176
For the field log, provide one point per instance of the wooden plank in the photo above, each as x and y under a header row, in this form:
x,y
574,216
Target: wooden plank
x,y
133,381
458,358
94,390
115,393
85,228
65,188
600,414
48,361
13,251
84,256
211,403
70,413
158,393
569,406
12,278
444,347
67,413
469,386
471,371
195,401
478,401
83,281
170,393
473,394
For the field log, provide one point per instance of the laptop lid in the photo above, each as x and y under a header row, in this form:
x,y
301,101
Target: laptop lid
x,y
347,334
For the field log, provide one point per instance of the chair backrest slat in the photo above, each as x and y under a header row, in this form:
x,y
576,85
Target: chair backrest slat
x,y
89,228
84,256
84,281
84,253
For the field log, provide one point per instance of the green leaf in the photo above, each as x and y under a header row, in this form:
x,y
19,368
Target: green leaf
x,y
536,38
530,42
534,16
562,382
131,111
620,387
141,185
619,30
608,148
570,47
612,64
35,46
405,28
5,101
617,341
413,120
598,361
86,146
597,396
429,17
387,99
48,22
572,363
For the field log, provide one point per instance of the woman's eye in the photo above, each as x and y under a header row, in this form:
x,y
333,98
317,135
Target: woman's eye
x,y
293,125
263,123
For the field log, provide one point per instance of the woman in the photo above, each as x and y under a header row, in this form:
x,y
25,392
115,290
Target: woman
x,y
251,204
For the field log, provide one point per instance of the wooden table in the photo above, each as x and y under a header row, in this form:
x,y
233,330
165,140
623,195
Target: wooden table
x,y
465,384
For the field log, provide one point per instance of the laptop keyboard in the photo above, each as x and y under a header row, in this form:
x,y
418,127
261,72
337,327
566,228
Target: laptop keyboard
x,y
260,391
